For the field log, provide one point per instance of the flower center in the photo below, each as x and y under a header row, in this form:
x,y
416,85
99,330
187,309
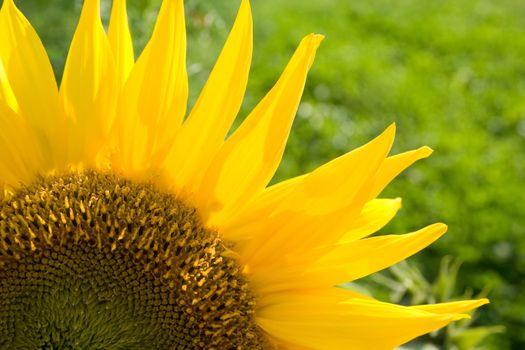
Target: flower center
x,y
92,261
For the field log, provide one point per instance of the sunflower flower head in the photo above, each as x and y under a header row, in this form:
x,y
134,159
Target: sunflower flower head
x,y
127,224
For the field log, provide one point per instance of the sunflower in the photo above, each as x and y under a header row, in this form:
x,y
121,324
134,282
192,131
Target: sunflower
x,y
125,225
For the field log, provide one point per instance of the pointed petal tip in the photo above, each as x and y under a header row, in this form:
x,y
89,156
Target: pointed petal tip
x,y
245,13
389,134
316,39
172,2
430,233
312,41
469,305
453,307
392,126
480,302
399,202
308,47
438,228
425,151
91,8
245,4
9,5
91,2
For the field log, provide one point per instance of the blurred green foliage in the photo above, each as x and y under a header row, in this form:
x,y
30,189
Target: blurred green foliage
x,y
450,73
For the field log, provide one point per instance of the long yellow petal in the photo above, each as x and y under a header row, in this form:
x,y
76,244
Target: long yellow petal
x,y
88,91
120,41
336,184
293,273
32,81
249,158
353,260
217,106
375,214
344,262
321,207
319,322
153,102
243,225
394,165
452,307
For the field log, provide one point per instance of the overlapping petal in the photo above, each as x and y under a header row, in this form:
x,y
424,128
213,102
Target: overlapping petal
x,y
153,101
312,321
89,87
243,225
120,41
20,153
7,96
217,106
266,203
342,262
248,160
393,166
34,93
352,260
375,214
320,207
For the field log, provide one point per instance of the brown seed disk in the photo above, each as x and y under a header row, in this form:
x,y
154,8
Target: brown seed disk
x,y
93,261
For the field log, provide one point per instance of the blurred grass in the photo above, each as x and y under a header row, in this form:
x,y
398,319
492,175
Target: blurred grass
x,y
451,74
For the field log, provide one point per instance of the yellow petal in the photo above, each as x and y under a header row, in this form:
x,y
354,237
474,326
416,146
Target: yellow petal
x,y
88,91
342,181
153,102
375,214
335,294
353,260
120,41
219,102
452,307
20,156
246,223
247,161
26,65
320,322
394,165
7,95
321,207
342,263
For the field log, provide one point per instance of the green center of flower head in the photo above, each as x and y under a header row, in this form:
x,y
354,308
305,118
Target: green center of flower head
x,y
92,261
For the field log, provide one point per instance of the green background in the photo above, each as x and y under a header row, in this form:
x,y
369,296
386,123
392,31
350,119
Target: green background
x,y
451,74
